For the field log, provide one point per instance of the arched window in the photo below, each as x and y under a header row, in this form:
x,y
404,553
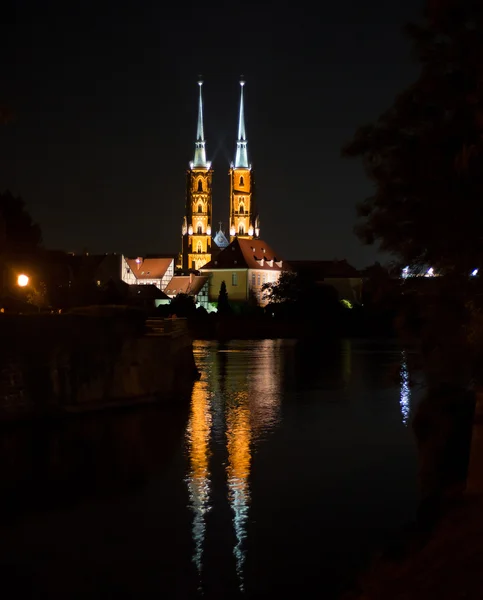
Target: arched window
x,y
241,229
242,183
200,208
199,247
241,209
199,229
200,185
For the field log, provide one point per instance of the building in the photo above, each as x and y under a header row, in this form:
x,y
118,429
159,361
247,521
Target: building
x,y
339,274
151,270
198,245
244,221
244,265
196,229
192,285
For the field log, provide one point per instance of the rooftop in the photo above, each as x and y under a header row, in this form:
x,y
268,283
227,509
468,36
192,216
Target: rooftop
x,y
247,254
149,268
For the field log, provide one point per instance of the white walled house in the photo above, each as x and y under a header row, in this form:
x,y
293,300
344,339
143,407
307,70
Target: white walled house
x,y
156,271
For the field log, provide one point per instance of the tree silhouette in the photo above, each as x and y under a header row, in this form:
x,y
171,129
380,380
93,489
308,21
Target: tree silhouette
x,y
182,305
425,153
286,289
223,304
18,233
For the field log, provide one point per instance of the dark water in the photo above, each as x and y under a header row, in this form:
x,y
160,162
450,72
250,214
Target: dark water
x,y
277,478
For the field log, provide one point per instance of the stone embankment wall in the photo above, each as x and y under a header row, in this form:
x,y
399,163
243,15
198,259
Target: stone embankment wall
x,y
57,362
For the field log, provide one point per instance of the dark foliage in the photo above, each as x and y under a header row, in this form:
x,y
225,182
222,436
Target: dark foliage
x,y
223,303
425,154
183,305
18,233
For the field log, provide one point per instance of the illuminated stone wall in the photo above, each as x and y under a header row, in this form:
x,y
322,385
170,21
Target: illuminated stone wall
x,y
241,204
197,228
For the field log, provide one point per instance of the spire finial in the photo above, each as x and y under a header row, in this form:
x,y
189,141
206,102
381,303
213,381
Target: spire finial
x,y
200,150
241,157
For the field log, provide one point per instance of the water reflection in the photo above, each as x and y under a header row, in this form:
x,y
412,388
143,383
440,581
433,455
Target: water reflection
x,y
264,390
405,394
238,434
61,461
242,407
198,439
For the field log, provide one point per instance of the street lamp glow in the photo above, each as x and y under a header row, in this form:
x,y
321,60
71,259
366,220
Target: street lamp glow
x,y
22,280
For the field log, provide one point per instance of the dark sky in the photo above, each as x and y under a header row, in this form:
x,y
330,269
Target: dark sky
x,y
105,102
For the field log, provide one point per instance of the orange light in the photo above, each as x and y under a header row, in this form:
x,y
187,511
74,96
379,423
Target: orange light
x,y
22,280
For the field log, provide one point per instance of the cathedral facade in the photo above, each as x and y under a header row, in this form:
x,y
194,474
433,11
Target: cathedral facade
x,y
199,244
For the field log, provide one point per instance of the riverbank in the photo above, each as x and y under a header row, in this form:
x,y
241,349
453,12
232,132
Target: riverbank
x,y
90,360
444,563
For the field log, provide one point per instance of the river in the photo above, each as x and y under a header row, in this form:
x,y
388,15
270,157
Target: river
x,y
280,475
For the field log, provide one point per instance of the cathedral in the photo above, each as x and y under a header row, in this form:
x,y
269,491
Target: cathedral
x,y
200,244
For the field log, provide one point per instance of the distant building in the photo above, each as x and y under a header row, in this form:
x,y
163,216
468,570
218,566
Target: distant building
x,y
339,274
199,246
197,221
244,265
151,270
192,285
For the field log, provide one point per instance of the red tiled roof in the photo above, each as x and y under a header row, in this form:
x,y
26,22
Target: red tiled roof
x,y
182,284
149,268
247,254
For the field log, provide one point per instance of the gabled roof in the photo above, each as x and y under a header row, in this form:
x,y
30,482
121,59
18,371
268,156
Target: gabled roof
x,y
247,254
185,284
323,269
149,268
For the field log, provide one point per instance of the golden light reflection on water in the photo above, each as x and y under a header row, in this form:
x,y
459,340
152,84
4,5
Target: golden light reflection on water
x,y
236,404
238,435
198,439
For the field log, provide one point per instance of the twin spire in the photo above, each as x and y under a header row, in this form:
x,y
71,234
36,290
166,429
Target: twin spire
x,y
241,156
200,144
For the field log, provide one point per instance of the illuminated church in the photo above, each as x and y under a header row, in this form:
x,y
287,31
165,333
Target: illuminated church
x,y
200,244
244,262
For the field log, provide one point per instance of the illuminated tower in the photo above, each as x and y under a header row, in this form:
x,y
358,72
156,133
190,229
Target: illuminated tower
x,y
244,220
197,221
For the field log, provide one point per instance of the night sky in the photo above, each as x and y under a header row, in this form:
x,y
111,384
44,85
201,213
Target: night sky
x,y
105,103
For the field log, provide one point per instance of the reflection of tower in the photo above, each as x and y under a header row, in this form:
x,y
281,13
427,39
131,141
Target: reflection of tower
x,y
405,393
197,224
244,220
198,437
238,434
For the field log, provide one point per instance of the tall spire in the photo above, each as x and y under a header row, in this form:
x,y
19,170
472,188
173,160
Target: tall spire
x,y
241,157
200,150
